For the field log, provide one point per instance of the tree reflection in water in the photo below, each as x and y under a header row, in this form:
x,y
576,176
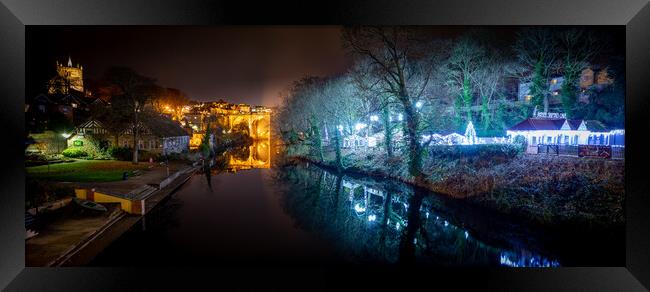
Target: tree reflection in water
x,y
373,222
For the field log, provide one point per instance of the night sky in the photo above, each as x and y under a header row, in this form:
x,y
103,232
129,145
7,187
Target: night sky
x,y
239,64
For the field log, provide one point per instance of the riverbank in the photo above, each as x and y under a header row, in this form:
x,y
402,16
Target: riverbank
x,y
73,237
548,190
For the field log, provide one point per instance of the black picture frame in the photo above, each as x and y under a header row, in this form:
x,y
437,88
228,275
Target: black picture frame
x,y
16,14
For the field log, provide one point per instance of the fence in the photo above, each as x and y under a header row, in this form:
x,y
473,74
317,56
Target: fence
x,y
599,151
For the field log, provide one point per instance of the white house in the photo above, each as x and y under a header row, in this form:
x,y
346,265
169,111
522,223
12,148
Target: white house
x,y
557,130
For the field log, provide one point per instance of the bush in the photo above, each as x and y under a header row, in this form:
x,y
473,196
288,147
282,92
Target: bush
x,y
74,152
482,151
121,153
35,157
126,154
520,141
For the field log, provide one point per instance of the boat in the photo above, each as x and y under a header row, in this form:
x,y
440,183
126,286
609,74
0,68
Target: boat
x,y
89,205
30,233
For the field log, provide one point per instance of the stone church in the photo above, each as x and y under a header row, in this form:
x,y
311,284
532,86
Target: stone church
x,y
67,77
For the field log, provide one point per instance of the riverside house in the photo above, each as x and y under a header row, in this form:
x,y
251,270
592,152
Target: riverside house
x,y
157,135
555,129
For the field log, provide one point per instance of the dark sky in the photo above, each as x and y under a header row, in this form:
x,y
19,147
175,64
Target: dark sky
x,y
239,64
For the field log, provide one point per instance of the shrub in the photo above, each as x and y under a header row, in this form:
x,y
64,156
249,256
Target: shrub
x,y
75,152
35,157
126,154
121,153
520,141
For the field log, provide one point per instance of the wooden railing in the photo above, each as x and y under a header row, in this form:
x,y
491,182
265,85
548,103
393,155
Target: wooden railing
x,y
600,151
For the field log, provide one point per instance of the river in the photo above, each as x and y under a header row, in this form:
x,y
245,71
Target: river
x,y
248,212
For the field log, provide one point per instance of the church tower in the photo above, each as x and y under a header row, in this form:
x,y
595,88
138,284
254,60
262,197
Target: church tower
x,y
68,77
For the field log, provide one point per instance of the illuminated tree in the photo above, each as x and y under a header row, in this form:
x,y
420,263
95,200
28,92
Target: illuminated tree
x,y
376,100
340,107
467,57
488,82
399,60
170,100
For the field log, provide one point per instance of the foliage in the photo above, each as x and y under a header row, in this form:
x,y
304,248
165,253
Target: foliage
x,y
96,147
538,87
121,153
75,152
607,104
520,141
133,92
172,99
481,154
403,84
466,98
205,143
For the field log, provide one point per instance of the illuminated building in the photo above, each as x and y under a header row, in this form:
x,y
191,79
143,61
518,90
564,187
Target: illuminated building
x,y
68,77
555,129
595,76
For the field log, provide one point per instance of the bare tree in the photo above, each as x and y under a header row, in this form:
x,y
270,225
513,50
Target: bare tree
x,y
467,57
488,81
397,59
132,94
536,50
577,47
375,98
340,107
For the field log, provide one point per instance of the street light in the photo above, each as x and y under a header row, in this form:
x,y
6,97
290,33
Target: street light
x,y
374,118
418,104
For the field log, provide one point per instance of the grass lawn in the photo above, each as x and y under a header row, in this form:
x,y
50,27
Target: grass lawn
x,y
84,170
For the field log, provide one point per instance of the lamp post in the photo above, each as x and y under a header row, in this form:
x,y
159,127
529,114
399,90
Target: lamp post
x,y
136,133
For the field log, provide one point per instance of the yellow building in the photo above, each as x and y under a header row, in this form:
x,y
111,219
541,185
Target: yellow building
x,y
68,77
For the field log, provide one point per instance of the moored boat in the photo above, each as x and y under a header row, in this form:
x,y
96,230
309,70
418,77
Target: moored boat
x,y
89,205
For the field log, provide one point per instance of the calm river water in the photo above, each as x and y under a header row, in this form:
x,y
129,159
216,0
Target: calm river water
x,y
303,215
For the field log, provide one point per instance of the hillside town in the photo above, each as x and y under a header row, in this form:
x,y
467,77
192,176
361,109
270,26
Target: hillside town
x,y
71,119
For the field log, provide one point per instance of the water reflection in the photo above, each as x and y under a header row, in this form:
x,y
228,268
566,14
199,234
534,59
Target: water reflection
x,y
388,222
256,155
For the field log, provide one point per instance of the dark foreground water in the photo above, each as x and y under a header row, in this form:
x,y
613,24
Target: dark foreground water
x,y
306,216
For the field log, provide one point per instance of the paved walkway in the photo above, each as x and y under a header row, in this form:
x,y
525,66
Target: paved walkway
x,y
63,231
150,176
67,227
